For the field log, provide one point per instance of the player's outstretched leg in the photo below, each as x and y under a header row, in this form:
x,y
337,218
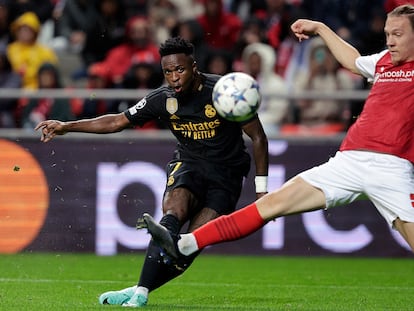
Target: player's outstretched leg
x,y
160,235
117,297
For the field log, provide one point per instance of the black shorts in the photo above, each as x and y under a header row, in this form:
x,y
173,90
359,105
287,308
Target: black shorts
x,y
215,186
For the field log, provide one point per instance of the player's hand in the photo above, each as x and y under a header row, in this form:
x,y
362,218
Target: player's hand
x,y
50,128
304,28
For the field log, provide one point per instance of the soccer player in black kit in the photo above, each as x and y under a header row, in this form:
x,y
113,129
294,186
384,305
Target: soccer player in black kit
x,y
205,176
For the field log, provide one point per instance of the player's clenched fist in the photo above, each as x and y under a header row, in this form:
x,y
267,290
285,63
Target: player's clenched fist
x,y
50,128
303,28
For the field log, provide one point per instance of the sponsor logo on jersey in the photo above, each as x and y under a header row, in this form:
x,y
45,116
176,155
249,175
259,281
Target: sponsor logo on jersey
x,y
394,75
141,104
201,130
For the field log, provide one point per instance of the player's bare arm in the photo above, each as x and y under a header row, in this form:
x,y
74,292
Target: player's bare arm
x,y
256,133
345,53
109,123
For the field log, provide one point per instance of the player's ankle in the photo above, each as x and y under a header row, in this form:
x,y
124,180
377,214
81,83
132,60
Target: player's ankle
x,y
187,244
141,290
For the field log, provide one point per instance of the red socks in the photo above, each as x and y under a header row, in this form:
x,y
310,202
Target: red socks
x,y
231,227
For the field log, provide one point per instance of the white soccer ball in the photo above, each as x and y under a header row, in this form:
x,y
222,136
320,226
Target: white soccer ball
x,y
236,96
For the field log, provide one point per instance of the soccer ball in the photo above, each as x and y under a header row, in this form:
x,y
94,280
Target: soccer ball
x,y
236,96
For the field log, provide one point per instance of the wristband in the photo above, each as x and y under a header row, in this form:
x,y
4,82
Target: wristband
x,y
261,184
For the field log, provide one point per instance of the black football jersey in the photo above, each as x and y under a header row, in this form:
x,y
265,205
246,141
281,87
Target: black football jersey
x,y
201,133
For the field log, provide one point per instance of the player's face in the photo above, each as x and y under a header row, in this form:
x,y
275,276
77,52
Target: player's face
x,y
400,39
179,70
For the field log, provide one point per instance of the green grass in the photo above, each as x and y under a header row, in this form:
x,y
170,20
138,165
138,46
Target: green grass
x,y
74,282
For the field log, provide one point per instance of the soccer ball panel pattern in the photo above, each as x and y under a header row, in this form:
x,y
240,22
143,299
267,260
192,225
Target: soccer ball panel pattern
x,y
236,96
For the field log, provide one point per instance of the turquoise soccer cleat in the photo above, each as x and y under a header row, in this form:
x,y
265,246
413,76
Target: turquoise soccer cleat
x,y
118,297
136,301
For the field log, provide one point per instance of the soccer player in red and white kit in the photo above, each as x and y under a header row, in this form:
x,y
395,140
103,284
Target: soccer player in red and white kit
x,y
375,159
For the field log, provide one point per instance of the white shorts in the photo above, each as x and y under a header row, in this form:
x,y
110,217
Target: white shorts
x,y
386,180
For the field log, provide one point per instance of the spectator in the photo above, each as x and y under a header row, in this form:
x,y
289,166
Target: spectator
x,y
5,36
368,42
162,15
324,75
246,8
253,31
372,39
37,110
98,78
142,75
135,7
348,18
8,79
42,8
276,17
192,31
107,33
259,60
138,46
221,28
78,18
188,9
219,62
290,51
25,54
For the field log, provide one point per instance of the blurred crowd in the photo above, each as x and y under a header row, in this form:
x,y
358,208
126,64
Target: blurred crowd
x,y
106,44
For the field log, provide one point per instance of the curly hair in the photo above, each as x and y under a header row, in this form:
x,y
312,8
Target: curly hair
x,y
176,45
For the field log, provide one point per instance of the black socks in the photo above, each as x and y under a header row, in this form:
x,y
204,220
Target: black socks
x,y
157,270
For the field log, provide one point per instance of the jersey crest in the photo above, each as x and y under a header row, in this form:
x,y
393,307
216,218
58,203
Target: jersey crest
x,y
171,105
209,111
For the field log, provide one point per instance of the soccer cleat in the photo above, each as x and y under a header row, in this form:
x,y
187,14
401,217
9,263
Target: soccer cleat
x,y
117,297
161,236
136,301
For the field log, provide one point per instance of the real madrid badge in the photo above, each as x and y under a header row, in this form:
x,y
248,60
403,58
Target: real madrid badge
x,y
171,105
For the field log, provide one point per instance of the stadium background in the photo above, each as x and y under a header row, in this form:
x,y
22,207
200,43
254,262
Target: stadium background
x,y
83,193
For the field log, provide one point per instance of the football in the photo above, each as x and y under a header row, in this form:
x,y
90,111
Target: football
x,y
236,96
